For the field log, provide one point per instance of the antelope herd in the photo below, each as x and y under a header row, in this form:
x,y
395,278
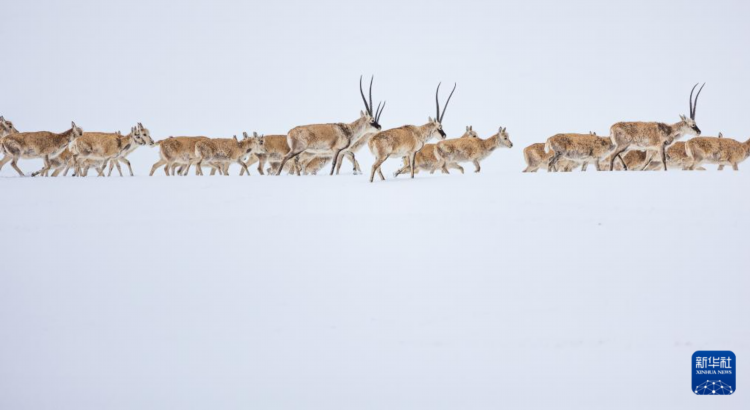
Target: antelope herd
x,y
308,149
636,144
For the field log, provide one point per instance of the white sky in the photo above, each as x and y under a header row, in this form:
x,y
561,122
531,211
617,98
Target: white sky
x,y
218,68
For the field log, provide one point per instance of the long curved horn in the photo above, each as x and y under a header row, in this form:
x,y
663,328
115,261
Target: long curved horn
x,y
695,103
446,104
379,112
362,93
371,79
691,100
437,102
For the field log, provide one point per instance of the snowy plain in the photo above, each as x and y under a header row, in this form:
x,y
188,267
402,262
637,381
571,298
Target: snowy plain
x,y
476,291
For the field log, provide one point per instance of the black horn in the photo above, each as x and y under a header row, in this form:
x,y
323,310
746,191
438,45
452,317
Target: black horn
x,y
690,102
362,93
371,79
437,103
379,112
445,107
695,102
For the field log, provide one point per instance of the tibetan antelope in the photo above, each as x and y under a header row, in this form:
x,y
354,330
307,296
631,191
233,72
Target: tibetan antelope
x,y
143,137
474,150
333,138
275,148
62,162
41,144
349,153
304,164
310,164
428,159
175,151
583,148
653,137
677,158
407,140
716,150
65,161
222,152
104,147
635,160
536,157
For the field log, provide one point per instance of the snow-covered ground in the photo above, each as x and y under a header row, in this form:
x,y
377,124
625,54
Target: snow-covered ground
x,y
477,291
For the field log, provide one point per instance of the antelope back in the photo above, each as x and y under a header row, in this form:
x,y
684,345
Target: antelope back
x,y
179,149
536,155
97,145
275,145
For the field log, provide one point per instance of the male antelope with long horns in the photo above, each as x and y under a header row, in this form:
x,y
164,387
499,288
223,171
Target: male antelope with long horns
x,y
331,139
406,141
653,137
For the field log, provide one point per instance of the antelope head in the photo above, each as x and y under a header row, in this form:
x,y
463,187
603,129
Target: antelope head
x,y
438,120
504,138
6,127
372,118
142,135
687,125
255,143
76,131
470,133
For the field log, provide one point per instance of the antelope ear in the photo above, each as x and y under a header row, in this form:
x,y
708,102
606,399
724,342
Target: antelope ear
x,y
255,134
471,128
361,113
235,138
72,124
429,119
